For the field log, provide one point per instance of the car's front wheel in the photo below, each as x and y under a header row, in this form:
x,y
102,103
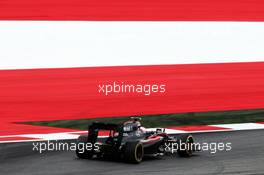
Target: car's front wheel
x,y
185,145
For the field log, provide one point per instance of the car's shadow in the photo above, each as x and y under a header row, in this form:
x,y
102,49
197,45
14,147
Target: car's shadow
x,y
120,160
145,159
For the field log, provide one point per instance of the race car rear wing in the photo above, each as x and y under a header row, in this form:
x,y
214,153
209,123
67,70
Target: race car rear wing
x,y
95,127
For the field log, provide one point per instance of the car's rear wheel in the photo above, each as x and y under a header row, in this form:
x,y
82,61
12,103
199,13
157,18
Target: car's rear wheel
x,y
81,151
185,145
134,152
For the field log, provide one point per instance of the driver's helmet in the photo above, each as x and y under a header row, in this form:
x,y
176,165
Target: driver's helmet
x,y
132,125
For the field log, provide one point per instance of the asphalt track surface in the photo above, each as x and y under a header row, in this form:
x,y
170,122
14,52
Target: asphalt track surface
x,y
246,157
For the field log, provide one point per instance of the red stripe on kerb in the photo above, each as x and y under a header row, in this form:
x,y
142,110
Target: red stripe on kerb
x,y
128,10
14,138
8,128
198,128
260,122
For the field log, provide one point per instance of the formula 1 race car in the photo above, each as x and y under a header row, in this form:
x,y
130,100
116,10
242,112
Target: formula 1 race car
x,y
130,142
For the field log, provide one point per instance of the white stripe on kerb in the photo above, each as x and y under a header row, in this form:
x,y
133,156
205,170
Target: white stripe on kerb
x,y
241,126
52,136
69,135
54,44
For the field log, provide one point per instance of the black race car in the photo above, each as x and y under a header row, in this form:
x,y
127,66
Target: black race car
x,y
130,141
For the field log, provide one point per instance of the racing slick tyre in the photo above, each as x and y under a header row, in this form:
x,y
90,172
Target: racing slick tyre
x,y
133,152
81,152
185,145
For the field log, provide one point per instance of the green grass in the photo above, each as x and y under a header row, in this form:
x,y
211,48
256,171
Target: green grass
x,y
163,120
